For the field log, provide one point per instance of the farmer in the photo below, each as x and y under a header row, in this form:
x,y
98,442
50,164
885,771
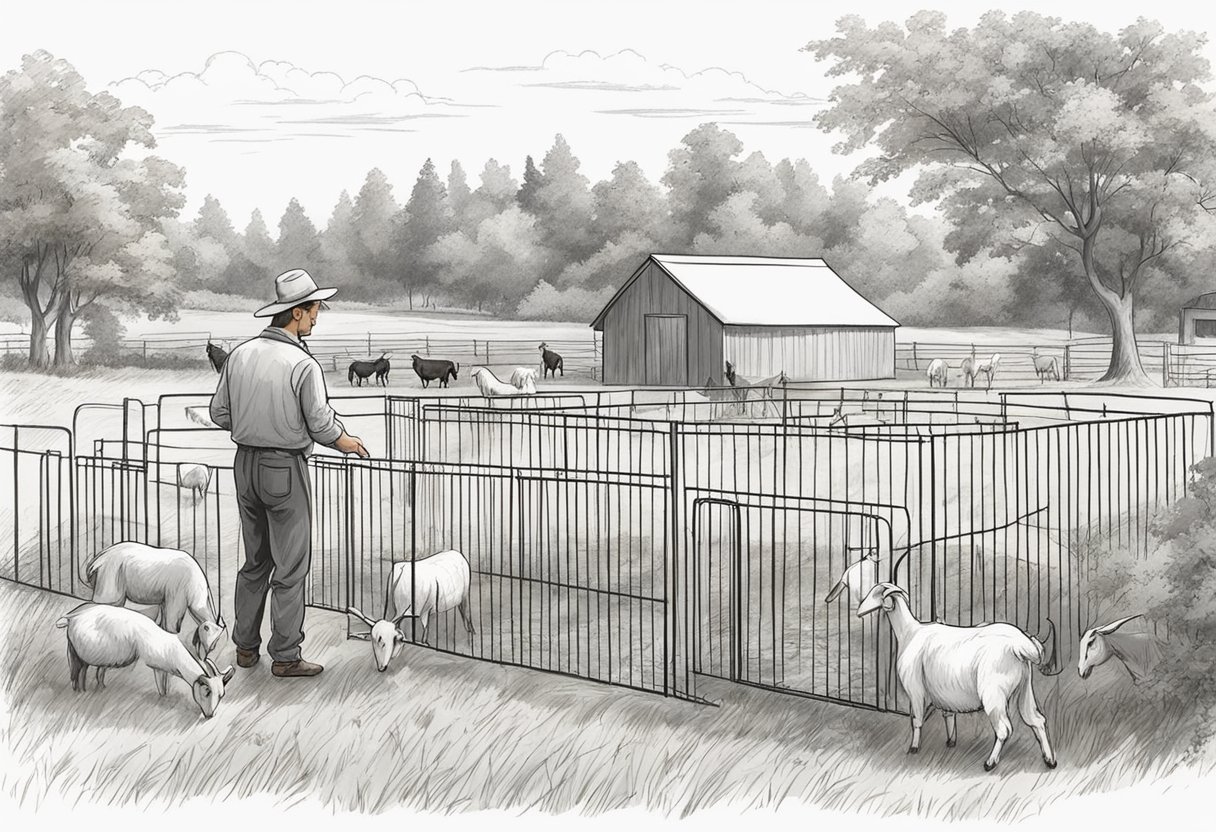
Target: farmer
x,y
271,396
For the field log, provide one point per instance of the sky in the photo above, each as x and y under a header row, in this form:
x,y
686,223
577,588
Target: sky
x,y
262,102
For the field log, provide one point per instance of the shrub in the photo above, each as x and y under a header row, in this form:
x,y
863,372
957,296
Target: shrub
x,y
545,303
1175,589
106,331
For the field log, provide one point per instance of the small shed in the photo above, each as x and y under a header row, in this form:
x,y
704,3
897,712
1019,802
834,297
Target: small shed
x,y
1197,321
679,318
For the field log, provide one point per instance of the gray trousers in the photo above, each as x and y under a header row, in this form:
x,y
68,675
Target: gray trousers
x,y
274,497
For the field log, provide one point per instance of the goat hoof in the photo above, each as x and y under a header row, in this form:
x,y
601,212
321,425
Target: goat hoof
x,y
913,749
1050,763
989,766
951,743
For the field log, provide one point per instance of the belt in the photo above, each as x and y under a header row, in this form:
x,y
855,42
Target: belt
x,y
254,449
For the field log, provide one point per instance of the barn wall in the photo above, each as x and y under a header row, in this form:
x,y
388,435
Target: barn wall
x,y
811,353
654,293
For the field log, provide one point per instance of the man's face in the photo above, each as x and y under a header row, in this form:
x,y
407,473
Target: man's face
x,y
308,319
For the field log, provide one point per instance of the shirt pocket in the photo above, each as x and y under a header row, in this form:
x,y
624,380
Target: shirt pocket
x,y
274,480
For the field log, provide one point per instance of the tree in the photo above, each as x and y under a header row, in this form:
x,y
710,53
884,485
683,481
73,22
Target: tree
x,y
258,247
424,220
526,197
701,174
298,245
563,204
458,192
76,212
372,248
498,265
495,194
1095,143
628,203
213,221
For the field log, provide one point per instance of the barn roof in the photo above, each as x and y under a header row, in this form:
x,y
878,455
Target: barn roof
x,y
765,291
1207,301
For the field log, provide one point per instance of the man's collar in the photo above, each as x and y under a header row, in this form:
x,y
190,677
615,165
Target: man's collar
x,y
279,334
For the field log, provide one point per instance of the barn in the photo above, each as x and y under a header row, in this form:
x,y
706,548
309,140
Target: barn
x,y
678,318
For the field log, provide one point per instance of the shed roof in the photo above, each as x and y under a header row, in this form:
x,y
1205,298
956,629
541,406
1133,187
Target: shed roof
x,y
1207,301
765,291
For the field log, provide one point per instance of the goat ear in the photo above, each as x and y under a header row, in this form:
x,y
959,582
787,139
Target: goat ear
x,y
229,672
357,614
835,593
1107,629
401,618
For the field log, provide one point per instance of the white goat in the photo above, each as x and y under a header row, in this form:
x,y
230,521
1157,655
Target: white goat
x,y
964,669
490,385
168,578
1044,366
988,368
442,583
524,379
103,636
859,578
938,373
196,477
967,368
1139,652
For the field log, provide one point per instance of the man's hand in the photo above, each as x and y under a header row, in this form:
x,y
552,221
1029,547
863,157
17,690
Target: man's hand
x,y
348,444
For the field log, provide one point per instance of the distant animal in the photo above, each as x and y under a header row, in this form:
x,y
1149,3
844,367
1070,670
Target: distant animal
x,y
419,589
524,378
551,360
938,372
196,477
858,578
719,395
382,368
1044,366
217,356
967,369
1139,652
988,368
103,636
363,369
491,385
965,669
434,369
168,578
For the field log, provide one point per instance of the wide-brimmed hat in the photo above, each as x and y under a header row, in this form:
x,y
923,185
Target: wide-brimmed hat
x,y
293,288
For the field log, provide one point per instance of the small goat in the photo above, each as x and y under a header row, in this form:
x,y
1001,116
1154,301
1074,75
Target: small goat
x,y
967,369
551,360
103,636
524,379
168,578
988,368
1139,652
491,385
442,582
434,369
196,477
963,670
938,372
1044,366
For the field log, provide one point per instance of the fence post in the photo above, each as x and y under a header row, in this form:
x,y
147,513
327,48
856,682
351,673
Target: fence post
x,y
1165,363
1067,361
145,351
670,629
428,344
915,366
487,353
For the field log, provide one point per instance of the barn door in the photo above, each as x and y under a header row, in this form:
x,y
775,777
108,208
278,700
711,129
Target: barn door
x,y
667,350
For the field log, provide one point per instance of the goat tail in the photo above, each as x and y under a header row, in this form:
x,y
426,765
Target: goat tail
x,y
1048,662
89,575
350,374
62,622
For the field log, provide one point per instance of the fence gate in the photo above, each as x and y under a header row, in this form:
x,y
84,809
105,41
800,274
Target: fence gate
x,y
762,572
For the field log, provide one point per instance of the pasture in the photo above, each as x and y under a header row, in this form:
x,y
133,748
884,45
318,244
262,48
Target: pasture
x,y
459,734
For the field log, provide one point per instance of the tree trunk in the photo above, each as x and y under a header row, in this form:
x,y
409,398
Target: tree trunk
x,y
1125,367
63,335
40,355
409,293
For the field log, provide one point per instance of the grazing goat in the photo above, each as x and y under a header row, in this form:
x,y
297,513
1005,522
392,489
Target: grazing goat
x,y
441,581
1139,652
195,477
938,372
168,578
859,578
1045,365
967,368
435,369
363,369
551,360
988,368
383,365
491,385
103,636
524,379
964,669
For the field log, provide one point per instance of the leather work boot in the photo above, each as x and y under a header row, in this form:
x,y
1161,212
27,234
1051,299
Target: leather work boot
x,y
297,668
246,658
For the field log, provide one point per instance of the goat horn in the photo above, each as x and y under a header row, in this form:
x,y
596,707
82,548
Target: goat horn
x,y
210,665
1107,629
357,614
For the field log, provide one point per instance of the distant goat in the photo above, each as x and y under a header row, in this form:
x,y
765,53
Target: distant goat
x,y
968,371
524,379
938,372
551,360
435,369
383,365
1044,366
103,636
965,669
1139,652
364,369
988,368
196,477
491,385
217,356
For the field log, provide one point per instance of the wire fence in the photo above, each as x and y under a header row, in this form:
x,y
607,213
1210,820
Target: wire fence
x,y
627,537
1078,359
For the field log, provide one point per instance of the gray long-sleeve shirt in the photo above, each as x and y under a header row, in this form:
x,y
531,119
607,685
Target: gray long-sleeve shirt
x,y
271,394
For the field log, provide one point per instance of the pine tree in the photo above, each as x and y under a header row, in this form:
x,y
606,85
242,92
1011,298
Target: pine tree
x,y
532,183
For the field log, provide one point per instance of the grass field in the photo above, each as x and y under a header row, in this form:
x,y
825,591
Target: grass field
x,y
440,733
